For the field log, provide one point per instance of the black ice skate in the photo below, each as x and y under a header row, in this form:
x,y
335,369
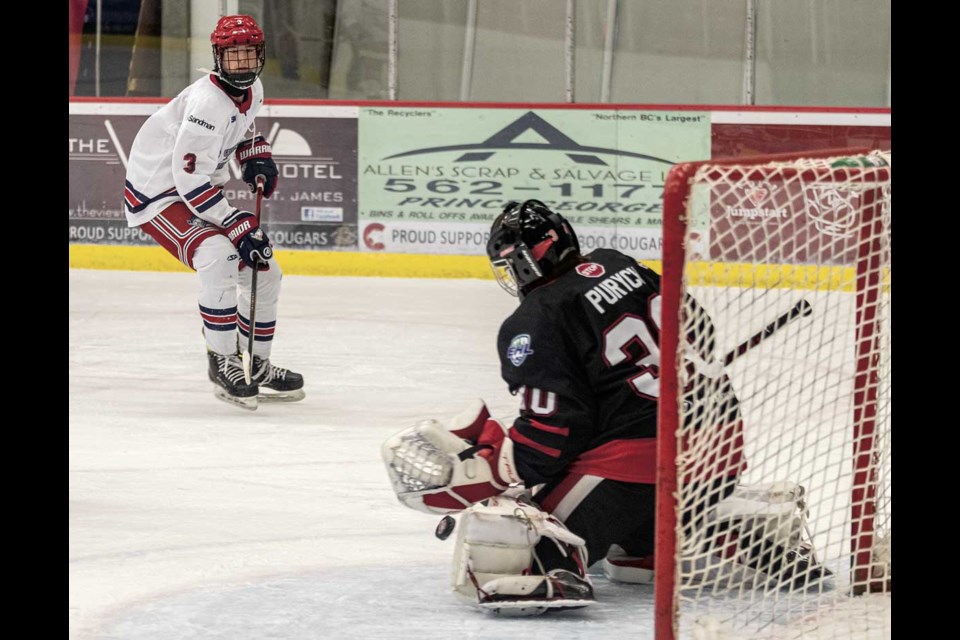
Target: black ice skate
x,y
226,373
276,384
796,569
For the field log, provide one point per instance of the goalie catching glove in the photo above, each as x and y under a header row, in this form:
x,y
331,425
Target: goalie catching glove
x,y
444,468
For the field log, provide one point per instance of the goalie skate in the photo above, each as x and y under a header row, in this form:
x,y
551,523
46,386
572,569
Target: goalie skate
x,y
535,595
799,569
618,566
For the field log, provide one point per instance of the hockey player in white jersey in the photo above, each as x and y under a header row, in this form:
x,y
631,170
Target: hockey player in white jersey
x,y
177,167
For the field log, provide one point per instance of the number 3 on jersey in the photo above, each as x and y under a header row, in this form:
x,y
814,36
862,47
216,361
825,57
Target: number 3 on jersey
x,y
629,330
190,162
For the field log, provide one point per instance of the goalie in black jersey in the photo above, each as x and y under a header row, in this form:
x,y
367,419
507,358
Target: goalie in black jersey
x,y
581,352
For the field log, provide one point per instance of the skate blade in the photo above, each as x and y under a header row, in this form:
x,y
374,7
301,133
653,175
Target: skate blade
x,y
250,404
521,608
282,396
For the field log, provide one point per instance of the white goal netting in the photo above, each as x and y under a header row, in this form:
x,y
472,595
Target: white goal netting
x,y
783,267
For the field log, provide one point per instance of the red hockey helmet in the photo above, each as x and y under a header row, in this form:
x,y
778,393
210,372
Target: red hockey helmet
x,y
231,33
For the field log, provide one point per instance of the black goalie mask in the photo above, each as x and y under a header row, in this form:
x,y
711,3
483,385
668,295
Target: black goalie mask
x,y
527,242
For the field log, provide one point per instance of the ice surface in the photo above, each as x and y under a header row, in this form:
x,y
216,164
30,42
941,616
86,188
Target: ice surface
x,y
190,518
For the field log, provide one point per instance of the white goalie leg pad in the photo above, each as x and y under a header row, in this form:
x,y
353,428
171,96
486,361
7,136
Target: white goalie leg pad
x,y
427,474
495,553
763,527
775,511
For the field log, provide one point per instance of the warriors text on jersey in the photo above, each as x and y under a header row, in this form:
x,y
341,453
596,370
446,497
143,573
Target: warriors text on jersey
x,y
583,352
182,151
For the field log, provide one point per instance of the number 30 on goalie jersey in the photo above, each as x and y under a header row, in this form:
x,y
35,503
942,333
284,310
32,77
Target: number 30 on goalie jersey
x,y
630,330
584,350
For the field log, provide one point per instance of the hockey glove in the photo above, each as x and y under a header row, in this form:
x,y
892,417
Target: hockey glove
x,y
435,471
256,159
489,438
468,424
251,242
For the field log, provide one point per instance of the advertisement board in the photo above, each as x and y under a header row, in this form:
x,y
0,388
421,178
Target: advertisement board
x,y
432,180
428,179
314,206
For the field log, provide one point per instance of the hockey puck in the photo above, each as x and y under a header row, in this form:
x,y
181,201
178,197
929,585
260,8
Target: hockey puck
x,y
445,528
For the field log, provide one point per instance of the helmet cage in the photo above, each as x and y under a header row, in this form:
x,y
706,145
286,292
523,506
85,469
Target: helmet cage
x,y
503,273
516,269
515,263
239,79
238,39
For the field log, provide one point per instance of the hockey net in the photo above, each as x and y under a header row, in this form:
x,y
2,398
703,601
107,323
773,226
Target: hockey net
x,y
789,258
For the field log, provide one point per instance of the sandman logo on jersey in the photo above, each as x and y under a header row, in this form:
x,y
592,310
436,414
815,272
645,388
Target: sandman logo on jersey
x,y
519,349
202,123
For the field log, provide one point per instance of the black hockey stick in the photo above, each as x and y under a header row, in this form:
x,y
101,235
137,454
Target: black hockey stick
x,y
799,310
247,356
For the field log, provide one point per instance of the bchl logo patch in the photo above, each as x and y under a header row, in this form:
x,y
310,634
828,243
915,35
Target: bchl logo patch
x,y
519,349
591,270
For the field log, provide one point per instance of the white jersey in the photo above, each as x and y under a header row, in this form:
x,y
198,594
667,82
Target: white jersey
x,y
182,151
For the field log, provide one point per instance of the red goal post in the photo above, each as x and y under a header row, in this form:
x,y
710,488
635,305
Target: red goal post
x,y
802,240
